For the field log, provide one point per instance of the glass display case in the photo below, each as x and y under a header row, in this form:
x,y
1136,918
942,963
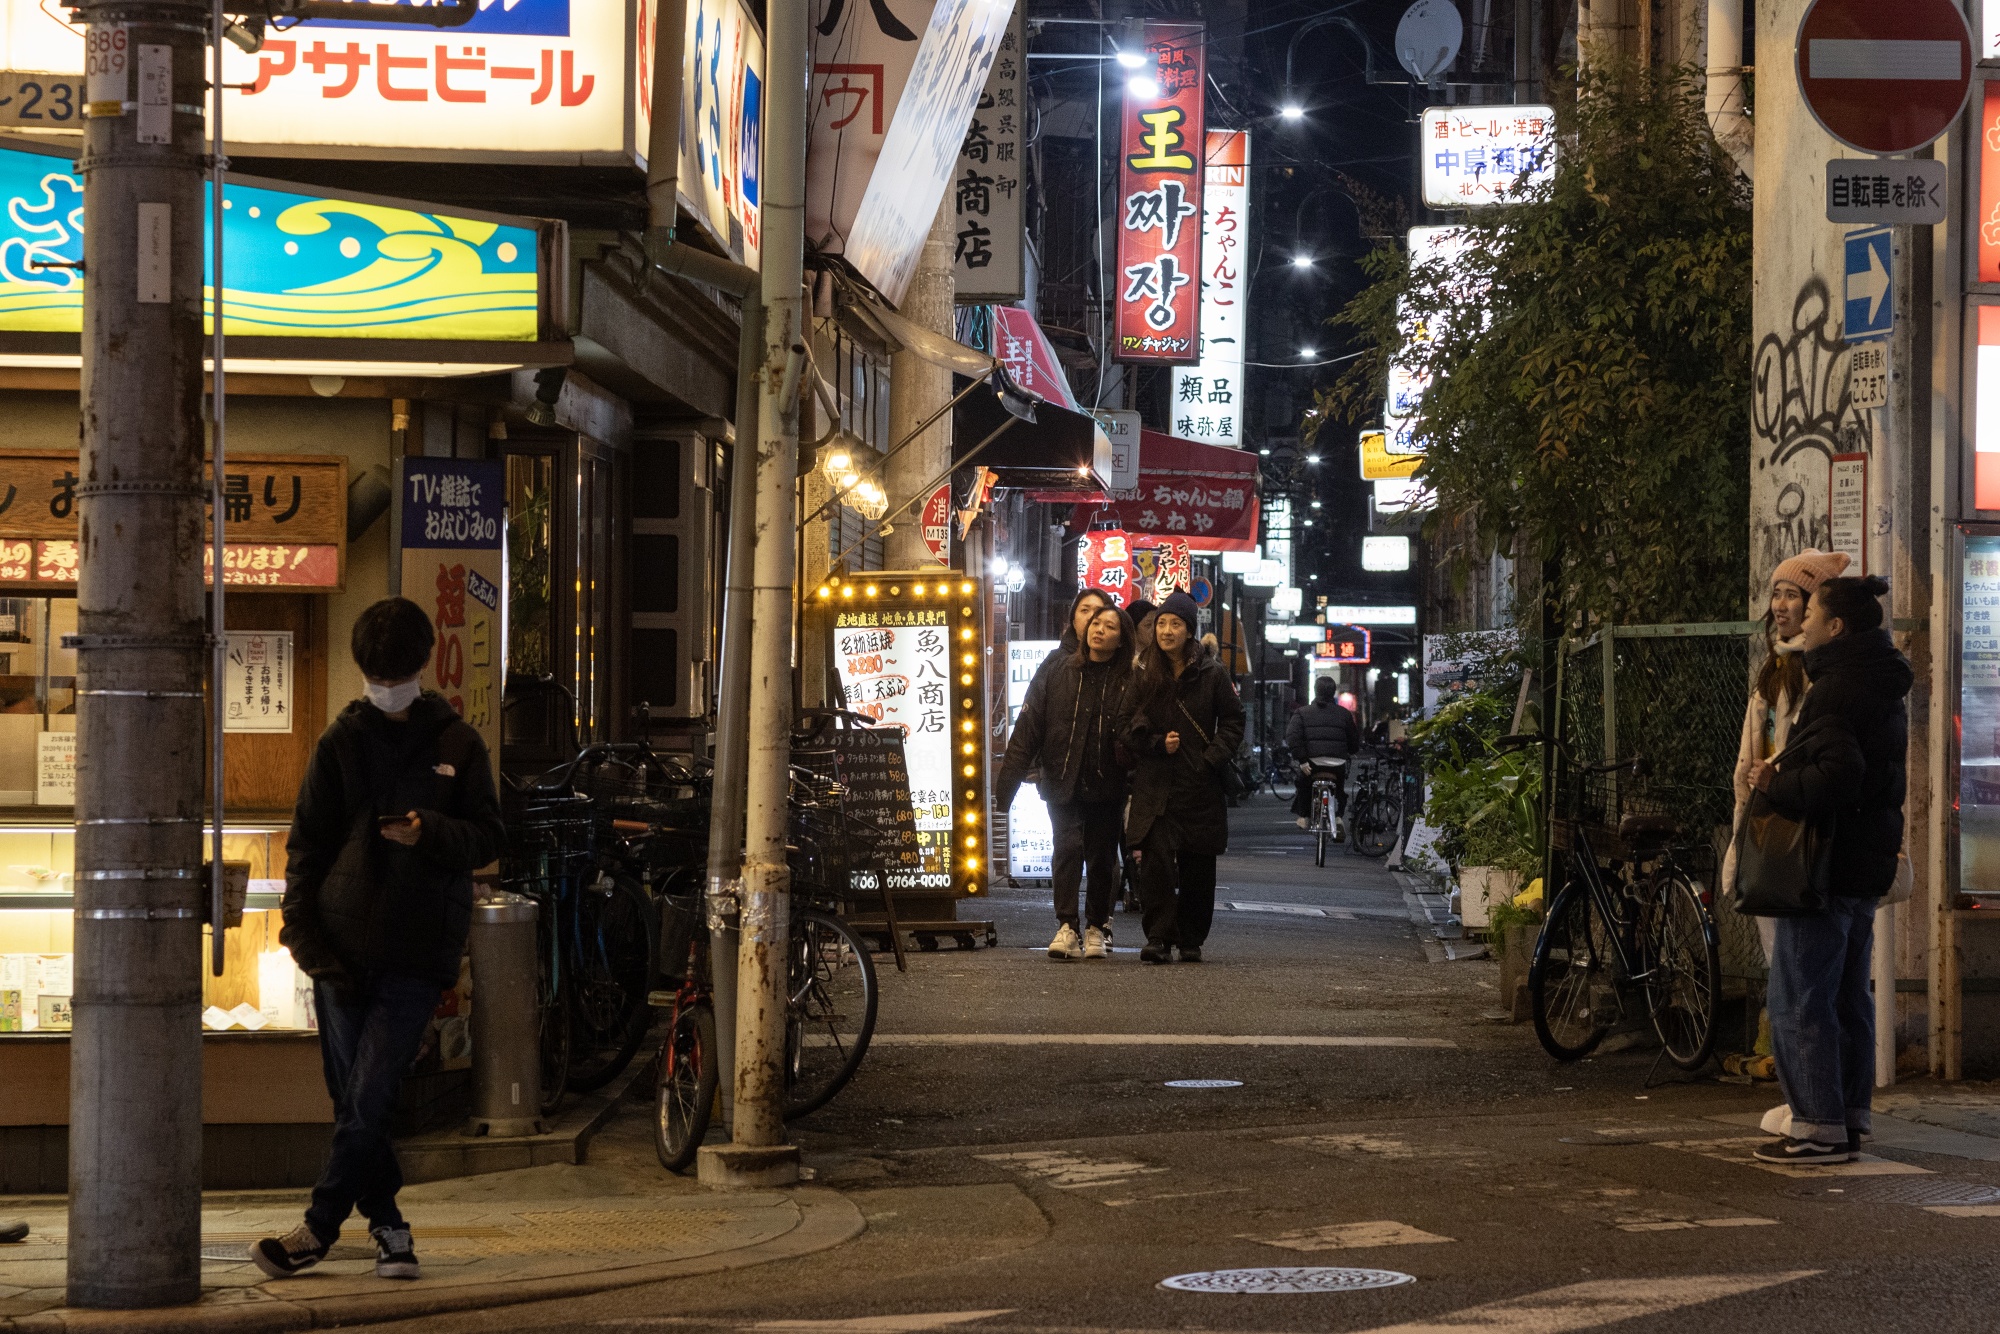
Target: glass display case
x,y
1979,713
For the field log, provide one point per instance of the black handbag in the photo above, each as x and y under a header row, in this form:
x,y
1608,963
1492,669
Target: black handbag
x,y
1783,866
1234,786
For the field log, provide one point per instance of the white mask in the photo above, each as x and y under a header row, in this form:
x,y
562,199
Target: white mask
x,y
396,698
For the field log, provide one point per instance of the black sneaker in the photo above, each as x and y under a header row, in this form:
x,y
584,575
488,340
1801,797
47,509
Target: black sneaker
x,y
294,1253
1190,954
1804,1151
13,1229
1156,953
395,1255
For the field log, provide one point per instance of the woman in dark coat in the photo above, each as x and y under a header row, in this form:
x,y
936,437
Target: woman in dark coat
x,y
1185,729
1842,770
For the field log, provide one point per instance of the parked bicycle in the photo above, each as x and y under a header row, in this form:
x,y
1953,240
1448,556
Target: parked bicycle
x,y
1375,804
1629,917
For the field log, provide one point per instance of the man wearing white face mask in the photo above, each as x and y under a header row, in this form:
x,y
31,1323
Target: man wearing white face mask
x,y
397,810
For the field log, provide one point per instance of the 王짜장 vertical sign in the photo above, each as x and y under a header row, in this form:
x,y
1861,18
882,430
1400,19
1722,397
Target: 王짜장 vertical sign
x,y
985,193
1160,194
450,535
1208,397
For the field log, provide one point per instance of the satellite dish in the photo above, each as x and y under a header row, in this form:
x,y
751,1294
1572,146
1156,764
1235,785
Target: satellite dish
x,y
1428,38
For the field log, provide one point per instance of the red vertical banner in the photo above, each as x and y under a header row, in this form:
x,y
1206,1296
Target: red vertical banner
x,y
1989,182
1160,197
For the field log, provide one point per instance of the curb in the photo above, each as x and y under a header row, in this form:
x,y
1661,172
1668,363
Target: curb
x,y
826,1219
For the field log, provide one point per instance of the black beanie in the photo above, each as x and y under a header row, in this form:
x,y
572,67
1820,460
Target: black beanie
x,y
1181,605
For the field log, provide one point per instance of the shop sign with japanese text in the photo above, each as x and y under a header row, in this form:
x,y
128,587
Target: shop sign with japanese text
x,y
1160,192
300,263
894,666
1020,345
1204,493
915,163
523,77
452,522
722,106
1104,563
257,681
284,520
986,194
1208,397
1471,156
1987,224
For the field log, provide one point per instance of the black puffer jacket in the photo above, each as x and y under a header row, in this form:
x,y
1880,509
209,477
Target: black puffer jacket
x,y
1844,761
1067,731
358,906
1185,787
1322,730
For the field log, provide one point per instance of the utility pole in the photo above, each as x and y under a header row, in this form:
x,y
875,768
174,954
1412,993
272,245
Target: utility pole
x,y
917,388
135,1052
758,1155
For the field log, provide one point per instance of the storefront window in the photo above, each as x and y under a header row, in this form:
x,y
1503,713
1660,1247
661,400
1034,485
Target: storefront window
x,y
37,700
1979,704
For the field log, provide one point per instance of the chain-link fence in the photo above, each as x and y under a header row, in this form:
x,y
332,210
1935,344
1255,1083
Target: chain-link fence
x,y
1674,694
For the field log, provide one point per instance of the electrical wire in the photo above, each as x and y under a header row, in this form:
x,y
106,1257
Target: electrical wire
x,y
1289,365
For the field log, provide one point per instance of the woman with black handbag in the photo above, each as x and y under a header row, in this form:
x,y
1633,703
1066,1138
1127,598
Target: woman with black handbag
x,y
1183,735
1840,782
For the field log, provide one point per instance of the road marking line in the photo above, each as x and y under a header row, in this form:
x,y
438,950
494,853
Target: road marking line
x,y
886,1324
1071,1171
1349,1237
1681,1224
1736,1150
1149,1040
1375,1146
1176,1195
1964,1210
1589,1305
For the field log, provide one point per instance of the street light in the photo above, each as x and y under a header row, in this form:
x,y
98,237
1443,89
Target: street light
x,y
1302,261
1312,458
1292,111
1305,352
1143,86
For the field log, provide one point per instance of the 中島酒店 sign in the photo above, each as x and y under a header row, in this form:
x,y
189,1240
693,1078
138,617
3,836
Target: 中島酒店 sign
x,y
1160,198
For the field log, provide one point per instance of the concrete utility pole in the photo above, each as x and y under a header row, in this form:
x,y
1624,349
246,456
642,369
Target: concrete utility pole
x,y
135,1053
917,388
758,1154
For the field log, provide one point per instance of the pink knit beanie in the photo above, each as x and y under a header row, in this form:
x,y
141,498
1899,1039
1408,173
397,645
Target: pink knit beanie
x,y
1810,568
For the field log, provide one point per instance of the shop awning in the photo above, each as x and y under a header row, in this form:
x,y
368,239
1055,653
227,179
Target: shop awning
x,y
1205,493
1043,445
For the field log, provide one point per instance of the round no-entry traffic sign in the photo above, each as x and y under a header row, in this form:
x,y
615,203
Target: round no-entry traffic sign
x,y
1884,78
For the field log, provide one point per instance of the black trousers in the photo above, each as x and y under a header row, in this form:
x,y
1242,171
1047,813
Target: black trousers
x,y
1176,889
1086,834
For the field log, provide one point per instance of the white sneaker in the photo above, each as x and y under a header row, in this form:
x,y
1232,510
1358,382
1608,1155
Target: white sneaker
x,y
1093,944
1066,945
1777,1121
1304,823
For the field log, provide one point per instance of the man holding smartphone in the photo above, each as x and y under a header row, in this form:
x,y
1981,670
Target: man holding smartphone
x,y
397,810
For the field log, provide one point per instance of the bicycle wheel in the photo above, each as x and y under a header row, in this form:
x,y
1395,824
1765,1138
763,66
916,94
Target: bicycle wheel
x,y
684,1090
551,1010
1684,972
1375,823
1570,979
611,970
831,1015
1319,853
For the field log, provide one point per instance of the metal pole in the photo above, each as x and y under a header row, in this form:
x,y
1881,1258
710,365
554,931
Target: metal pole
x,y
760,1018
135,1053
218,413
732,749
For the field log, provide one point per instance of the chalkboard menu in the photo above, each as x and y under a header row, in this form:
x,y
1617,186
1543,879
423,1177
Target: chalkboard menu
x,y
869,763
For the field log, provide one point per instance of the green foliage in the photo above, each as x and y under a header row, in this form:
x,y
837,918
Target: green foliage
x,y
1589,358
1485,803
1501,916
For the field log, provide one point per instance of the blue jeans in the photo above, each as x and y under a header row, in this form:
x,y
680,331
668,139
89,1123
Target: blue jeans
x,y
1823,1019
365,1046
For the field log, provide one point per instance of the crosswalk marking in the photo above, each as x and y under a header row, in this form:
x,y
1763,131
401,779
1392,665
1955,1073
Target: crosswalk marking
x,y
1071,1171
1350,1237
887,1324
1593,1304
1964,1210
1152,1040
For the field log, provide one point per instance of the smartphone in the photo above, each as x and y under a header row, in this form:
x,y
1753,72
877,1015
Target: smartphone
x,y
390,821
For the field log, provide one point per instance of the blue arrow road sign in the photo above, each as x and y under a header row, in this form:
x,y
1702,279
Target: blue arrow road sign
x,y
1871,310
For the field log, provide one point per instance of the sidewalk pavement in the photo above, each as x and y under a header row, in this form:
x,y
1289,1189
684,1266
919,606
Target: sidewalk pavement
x,y
494,1240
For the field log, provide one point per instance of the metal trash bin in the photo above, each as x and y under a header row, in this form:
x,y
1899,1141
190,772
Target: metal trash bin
x,y
506,1061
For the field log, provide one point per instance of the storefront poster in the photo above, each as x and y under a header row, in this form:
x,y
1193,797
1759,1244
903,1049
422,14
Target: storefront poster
x,y
1160,193
55,769
986,194
895,668
1208,396
257,681
1031,838
452,525
917,155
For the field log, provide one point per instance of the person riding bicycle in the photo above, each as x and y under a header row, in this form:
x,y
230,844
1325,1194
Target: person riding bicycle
x,y
1322,729
1066,735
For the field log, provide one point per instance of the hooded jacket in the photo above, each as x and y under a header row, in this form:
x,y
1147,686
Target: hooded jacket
x,y
1844,763
1067,731
1186,786
358,906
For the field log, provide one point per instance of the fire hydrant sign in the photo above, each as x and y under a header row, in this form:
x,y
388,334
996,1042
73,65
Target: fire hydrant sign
x,y
937,524
452,524
1884,78
257,682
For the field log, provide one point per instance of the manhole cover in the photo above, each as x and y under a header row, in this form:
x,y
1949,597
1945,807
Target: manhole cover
x,y
1204,1083
1920,1191
1287,1280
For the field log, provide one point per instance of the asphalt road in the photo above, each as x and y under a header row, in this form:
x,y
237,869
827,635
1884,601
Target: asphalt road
x,y
1023,1164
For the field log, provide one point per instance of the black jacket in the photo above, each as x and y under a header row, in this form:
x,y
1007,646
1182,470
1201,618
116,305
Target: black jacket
x,y
1844,761
358,906
1066,732
1185,787
1322,730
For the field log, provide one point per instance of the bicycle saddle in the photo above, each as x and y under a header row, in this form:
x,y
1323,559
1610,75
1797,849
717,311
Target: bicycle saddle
x,y
1326,762
1649,829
